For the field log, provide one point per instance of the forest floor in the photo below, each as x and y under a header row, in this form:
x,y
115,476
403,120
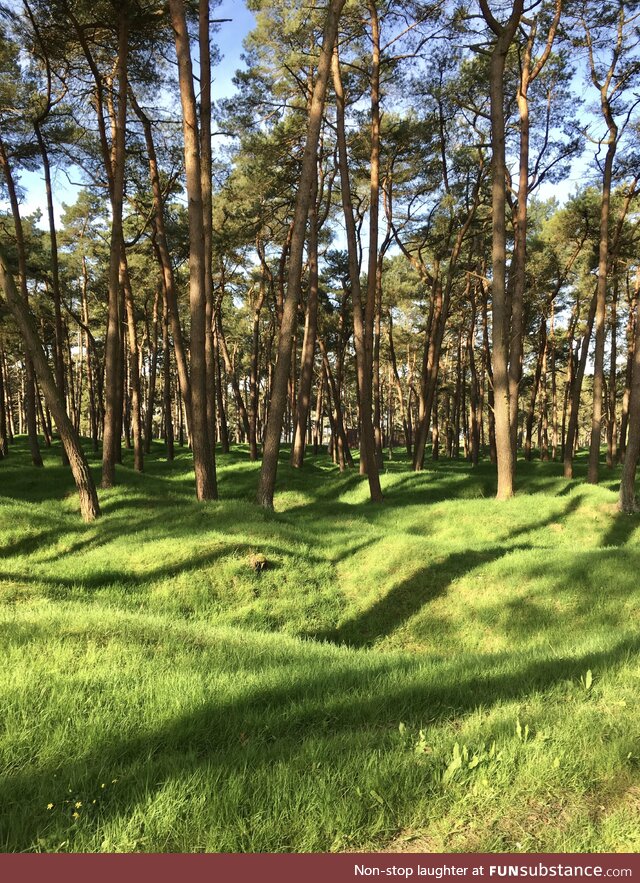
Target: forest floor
x,y
440,673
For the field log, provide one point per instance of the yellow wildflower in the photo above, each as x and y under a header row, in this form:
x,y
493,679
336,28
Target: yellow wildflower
x,y
49,806
78,804
76,815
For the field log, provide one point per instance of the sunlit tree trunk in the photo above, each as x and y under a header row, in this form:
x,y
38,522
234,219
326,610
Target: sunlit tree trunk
x,y
309,340
204,465
501,314
359,329
113,366
278,401
627,499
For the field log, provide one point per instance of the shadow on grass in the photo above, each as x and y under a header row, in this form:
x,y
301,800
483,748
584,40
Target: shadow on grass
x,y
330,705
406,599
623,527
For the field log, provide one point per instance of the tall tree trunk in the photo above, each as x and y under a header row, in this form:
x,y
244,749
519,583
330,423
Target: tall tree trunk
x,y
163,256
531,412
528,74
153,369
4,438
359,329
113,366
377,390
612,427
374,213
221,410
166,376
58,360
631,332
486,351
554,387
254,378
93,397
501,313
278,401
601,314
134,367
576,389
203,462
207,218
627,499
309,340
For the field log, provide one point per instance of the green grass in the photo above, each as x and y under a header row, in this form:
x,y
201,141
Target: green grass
x,y
411,676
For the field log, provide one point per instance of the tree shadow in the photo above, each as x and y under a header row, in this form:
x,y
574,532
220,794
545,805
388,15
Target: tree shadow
x,y
330,704
407,598
429,582
623,527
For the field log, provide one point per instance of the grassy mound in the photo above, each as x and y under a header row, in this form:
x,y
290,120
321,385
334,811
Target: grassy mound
x,y
444,672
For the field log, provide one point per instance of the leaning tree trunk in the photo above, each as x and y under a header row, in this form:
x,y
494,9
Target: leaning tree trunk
x,y
278,401
89,506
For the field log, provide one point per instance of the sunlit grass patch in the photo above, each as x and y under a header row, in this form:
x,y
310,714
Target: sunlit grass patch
x,y
442,669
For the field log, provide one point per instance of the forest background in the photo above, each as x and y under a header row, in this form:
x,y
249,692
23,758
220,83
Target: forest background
x,y
377,301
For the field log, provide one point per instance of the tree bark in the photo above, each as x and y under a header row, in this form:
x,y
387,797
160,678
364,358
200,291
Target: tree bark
x,y
134,367
113,367
163,256
309,339
278,401
576,389
89,506
627,499
600,315
359,329
501,313
203,462
153,371
612,427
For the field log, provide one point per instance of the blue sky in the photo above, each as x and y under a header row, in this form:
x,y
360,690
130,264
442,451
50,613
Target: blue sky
x,y
229,42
